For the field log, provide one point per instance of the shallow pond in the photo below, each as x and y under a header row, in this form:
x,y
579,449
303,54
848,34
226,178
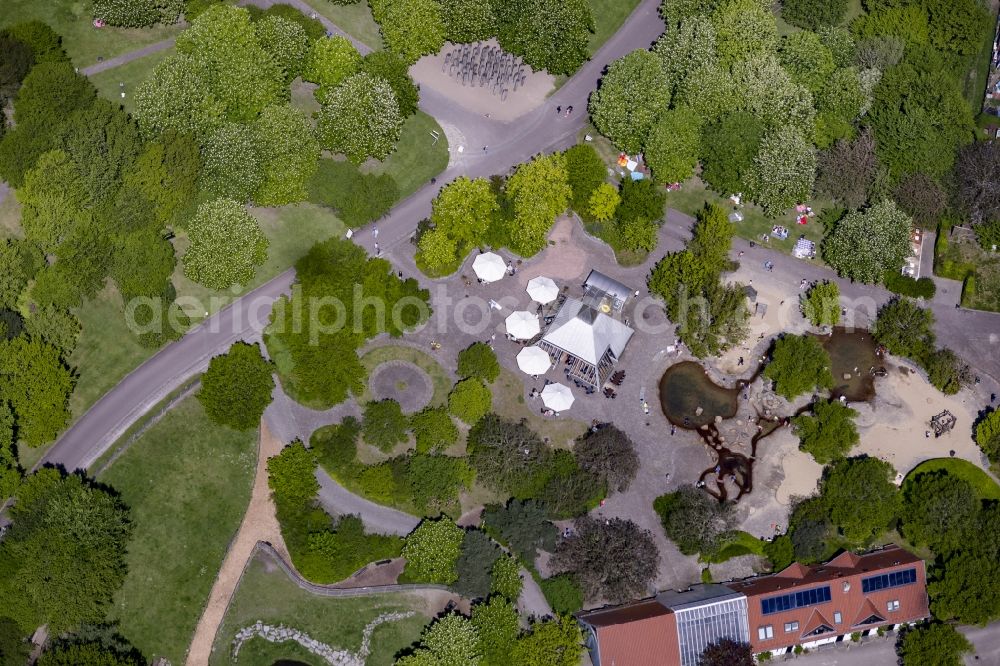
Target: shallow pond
x,y
853,362
685,387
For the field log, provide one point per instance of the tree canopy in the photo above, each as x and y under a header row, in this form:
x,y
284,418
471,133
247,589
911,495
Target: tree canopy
x,y
631,97
933,644
432,551
828,433
227,245
861,497
360,118
236,388
798,364
866,244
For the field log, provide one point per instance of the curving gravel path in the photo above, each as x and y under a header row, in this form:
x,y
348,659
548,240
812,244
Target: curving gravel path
x,y
403,382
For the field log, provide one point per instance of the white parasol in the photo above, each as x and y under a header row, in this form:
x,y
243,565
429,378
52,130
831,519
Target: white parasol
x,y
489,267
542,289
557,397
523,325
533,361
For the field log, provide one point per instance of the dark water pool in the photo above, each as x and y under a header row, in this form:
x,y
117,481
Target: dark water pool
x,y
853,362
685,387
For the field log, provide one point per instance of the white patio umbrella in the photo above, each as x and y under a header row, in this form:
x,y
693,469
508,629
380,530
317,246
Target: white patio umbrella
x,y
534,361
523,325
557,397
542,289
489,267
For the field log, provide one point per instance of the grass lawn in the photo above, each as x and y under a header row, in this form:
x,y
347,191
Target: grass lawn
x,y
107,351
985,486
131,74
187,482
265,593
694,194
440,378
960,257
417,158
608,17
73,20
356,20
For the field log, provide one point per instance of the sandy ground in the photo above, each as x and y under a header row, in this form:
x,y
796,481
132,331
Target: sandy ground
x,y
259,524
428,72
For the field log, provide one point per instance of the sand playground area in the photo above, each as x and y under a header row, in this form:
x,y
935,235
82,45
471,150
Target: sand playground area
x,y
433,72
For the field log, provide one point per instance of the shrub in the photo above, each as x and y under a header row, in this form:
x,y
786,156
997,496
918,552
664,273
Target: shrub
x,y
799,364
563,594
904,285
336,553
291,474
137,13
358,198
505,578
475,564
336,447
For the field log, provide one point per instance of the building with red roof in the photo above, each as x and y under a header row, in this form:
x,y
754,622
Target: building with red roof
x,y
801,605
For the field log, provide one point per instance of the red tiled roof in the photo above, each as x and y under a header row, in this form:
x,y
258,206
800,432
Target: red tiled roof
x,y
816,620
639,634
793,570
867,610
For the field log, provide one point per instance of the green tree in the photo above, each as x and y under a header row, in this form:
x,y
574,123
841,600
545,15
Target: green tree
x,y
604,202
291,474
242,74
839,101
988,435
967,587
940,510
470,400
585,172
694,520
728,148
553,35
227,245
866,244
468,21
609,455
37,384
383,424
142,264
812,14
449,641
673,144
799,364
933,645
743,28
19,261
360,118
613,560
828,433
79,651
288,151
524,526
285,41
389,67
631,97
761,86
506,578
475,564
14,645
460,213
861,497
497,627
433,429
50,93
821,304
432,550
555,642
179,96
45,43
54,199
480,361
806,59
64,553
56,327
330,61
410,28
103,142
236,388
506,454
946,371
688,48
905,328
540,191
233,167
784,171
435,480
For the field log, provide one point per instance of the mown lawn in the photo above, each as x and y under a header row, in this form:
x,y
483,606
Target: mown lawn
x,y
417,157
265,593
188,483
985,486
356,20
739,543
131,74
73,20
608,17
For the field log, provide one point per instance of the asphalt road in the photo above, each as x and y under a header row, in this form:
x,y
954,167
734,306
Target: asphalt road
x,y
510,144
